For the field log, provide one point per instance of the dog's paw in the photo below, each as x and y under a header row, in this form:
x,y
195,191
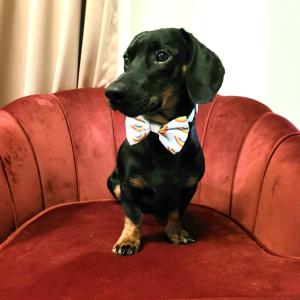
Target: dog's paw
x,y
179,236
128,247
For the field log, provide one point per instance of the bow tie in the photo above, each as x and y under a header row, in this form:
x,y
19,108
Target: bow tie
x,y
172,135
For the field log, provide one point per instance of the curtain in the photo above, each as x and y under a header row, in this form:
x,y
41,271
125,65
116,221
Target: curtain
x,y
51,45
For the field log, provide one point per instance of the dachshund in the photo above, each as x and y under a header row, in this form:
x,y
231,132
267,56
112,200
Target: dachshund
x,y
167,72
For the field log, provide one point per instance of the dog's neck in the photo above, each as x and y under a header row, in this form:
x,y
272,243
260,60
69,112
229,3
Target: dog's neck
x,y
157,118
166,116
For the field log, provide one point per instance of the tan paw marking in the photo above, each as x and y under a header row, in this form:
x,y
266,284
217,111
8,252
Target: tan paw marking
x,y
126,247
179,236
129,241
174,231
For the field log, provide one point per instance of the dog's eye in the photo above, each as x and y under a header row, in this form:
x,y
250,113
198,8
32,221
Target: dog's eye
x,y
126,60
162,56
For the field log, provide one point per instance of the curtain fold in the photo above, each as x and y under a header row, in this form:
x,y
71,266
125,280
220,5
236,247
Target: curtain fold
x,y
46,46
97,68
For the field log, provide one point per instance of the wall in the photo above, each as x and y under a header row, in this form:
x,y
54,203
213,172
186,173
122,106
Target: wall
x,y
283,59
257,40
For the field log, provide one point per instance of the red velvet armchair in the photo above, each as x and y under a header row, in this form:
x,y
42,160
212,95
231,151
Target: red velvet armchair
x,y
58,222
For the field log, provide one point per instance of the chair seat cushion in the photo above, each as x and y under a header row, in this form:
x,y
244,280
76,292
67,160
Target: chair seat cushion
x,y
66,254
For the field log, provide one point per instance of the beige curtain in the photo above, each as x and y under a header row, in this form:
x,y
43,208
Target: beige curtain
x,y
51,45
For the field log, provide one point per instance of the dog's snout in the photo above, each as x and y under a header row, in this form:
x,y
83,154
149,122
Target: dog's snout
x,y
116,92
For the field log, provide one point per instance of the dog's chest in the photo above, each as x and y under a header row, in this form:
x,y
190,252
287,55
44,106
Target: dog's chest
x,y
163,189
161,178
166,178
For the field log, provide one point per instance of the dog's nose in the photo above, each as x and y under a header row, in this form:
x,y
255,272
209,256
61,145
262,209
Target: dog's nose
x,y
116,92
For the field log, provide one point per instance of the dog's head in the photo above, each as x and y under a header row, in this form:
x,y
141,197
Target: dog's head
x,y
164,70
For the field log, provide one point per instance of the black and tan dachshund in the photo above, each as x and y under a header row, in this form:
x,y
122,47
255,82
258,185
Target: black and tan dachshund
x,y
167,72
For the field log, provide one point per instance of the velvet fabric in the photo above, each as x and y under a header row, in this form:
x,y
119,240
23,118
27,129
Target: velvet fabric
x,y
66,254
58,150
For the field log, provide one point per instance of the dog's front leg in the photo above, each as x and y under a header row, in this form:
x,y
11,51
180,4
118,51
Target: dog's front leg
x,y
130,238
174,232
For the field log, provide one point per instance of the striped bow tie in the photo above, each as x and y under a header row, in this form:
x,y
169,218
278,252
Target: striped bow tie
x,y
172,135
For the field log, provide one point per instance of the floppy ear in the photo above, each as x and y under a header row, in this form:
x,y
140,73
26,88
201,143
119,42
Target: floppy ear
x,y
204,73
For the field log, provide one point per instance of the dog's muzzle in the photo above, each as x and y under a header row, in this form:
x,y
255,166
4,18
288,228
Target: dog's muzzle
x,y
116,92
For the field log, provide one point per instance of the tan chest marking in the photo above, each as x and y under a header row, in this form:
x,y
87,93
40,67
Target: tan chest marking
x,y
138,182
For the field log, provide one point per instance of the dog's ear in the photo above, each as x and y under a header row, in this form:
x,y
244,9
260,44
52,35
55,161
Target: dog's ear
x,y
204,72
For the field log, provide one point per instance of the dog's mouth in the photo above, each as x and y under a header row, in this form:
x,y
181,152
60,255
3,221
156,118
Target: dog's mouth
x,y
152,107
155,108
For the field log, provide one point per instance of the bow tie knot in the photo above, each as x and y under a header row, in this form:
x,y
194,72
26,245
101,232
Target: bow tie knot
x,y
172,135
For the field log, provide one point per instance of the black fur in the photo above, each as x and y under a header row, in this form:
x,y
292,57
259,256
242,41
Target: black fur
x,y
162,91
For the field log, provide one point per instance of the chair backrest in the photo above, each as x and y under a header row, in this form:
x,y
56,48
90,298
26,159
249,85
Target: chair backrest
x,y
62,147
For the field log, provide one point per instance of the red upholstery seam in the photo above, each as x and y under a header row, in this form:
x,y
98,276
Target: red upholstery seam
x,y
34,156
238,157
204,136
251,235
12,201
280,141
208,119
12,236
72,145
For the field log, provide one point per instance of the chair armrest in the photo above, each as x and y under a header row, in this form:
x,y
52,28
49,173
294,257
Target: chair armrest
x,y
20,193
54,149
278,217
252,171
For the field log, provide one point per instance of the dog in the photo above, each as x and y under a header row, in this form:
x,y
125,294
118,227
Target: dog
x,y
167,72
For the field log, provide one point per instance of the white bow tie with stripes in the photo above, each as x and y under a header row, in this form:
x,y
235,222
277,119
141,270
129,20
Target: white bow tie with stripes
x,y
172,135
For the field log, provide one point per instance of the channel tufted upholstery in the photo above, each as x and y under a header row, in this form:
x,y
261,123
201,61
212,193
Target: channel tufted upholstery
x,y
58,221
